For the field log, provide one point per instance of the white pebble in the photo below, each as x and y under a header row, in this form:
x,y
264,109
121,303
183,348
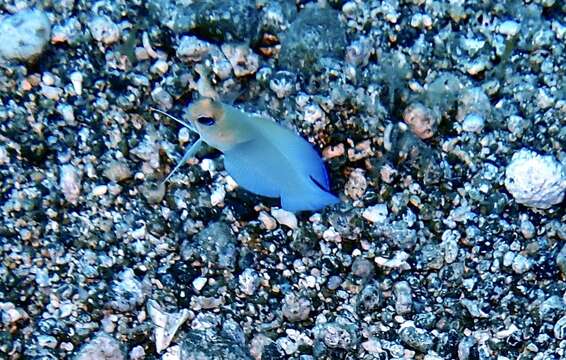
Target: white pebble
x,y
521,264
104,30
267,220
172,353
534,180
51,92
67,113
509,28
183,136
331,235
285,217
313,113
139,233
218,195
160,67
77,81
421,120
192,49
473,122
99,190
47,341
373,346
4,156
208,165
10,314
199,283
231,184
357,184
137,353
376,214
249,281
48,79
162,98
166,324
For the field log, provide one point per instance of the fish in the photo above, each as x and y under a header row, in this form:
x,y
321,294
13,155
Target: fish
x,y
262,156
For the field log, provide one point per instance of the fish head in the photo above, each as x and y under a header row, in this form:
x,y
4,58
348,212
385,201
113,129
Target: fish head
x,y
217,123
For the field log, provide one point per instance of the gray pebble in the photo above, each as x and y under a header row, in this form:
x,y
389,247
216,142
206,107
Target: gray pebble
x,y
283,83
296,308
527,229
335,281
101,347
362,267
162,98
430,257
370,298
249,281
70,183
192,49
47,341
521,264
207,345
24,35
314,34
128,292
417,339
244,62
336,335
215,244
465,348
403,297
153,192
117,171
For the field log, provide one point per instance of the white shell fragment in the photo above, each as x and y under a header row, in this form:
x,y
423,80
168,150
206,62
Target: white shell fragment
x,y
534,180
70,182
166,324
77,81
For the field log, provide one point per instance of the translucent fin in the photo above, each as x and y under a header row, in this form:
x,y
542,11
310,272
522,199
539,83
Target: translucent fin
x,y
188,154
185,124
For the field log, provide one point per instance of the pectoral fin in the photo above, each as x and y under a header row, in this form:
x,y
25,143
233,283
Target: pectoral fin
x,y
188,154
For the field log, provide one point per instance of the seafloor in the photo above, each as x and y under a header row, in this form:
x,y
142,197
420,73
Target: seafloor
x,y
443,127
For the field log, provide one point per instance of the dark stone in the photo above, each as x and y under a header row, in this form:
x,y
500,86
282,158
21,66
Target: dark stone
x,y
316,33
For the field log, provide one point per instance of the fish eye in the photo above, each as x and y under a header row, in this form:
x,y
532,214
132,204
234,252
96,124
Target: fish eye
x,y
206,120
